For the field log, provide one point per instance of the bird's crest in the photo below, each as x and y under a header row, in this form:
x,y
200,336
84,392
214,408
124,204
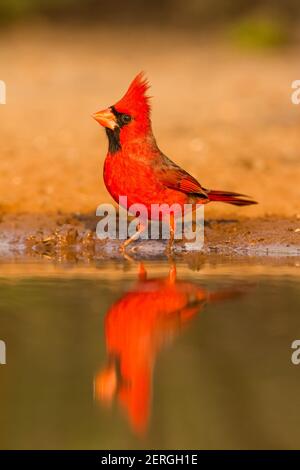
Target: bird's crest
x,y
135,99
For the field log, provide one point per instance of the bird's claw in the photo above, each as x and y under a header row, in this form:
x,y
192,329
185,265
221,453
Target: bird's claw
x,y
124,252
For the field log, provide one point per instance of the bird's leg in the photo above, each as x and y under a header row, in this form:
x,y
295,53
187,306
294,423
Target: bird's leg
x,y
170,245
135,236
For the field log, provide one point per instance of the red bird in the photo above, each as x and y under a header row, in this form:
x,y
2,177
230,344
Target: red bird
x,y
136,168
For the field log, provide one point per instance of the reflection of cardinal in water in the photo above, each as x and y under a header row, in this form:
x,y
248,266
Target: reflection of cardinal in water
x,y
136,328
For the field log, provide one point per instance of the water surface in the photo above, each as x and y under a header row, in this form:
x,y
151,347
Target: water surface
x,y
106,359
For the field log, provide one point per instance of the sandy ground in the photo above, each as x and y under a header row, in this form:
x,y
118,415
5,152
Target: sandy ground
x,y
222,113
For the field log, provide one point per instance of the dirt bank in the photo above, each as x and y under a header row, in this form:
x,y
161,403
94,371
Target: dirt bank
x,y
73,237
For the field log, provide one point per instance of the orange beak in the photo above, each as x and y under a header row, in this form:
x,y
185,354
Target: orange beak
x,y
106,118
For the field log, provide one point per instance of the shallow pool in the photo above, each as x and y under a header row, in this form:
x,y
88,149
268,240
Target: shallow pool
x,y
107,357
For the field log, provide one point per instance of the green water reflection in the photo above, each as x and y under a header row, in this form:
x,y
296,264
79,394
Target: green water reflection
x,y
158,362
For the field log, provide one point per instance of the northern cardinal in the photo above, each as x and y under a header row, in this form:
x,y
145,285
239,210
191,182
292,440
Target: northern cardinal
x,y
137,327
136,168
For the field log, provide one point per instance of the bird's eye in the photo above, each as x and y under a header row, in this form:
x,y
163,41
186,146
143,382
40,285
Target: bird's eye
x,y
125,118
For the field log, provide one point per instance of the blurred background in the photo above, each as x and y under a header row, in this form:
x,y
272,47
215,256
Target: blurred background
x,y
230,62
191,13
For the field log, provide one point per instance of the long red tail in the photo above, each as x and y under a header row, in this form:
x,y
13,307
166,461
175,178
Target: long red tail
x,y
231,198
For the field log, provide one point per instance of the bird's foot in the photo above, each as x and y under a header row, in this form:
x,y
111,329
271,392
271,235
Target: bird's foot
x,y
134,237
124,252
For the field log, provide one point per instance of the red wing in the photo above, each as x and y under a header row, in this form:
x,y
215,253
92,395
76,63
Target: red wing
x,y
174,177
